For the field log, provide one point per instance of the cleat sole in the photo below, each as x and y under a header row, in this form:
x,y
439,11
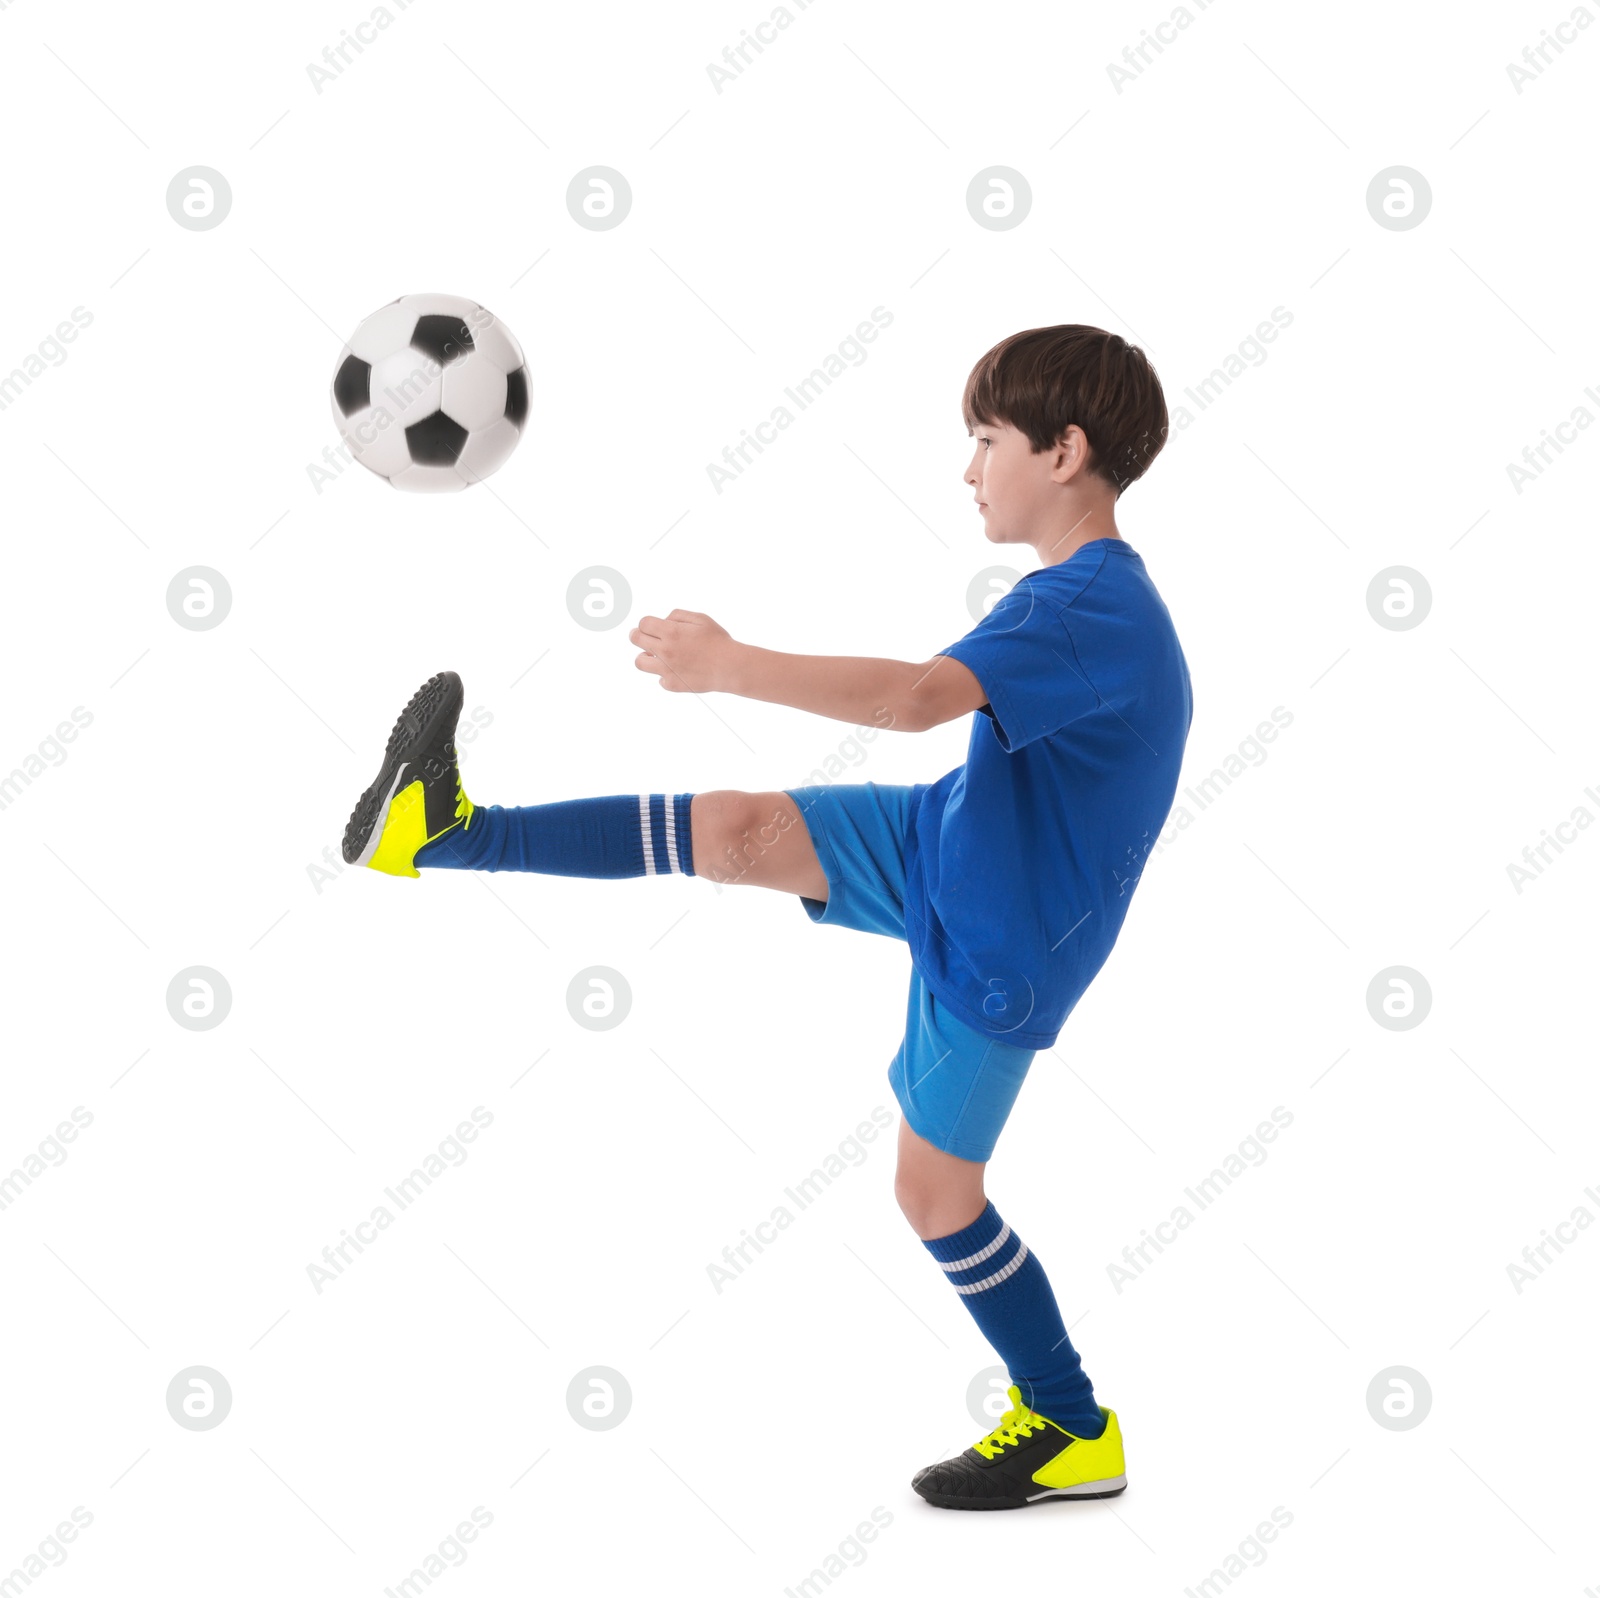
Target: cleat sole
x,y
439,698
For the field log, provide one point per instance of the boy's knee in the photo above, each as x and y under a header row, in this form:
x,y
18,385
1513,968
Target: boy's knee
x,y
734,831
715,818
935,1208
914,1200
708,809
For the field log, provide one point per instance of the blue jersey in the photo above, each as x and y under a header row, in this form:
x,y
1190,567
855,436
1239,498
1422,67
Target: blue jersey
x,y
1020,864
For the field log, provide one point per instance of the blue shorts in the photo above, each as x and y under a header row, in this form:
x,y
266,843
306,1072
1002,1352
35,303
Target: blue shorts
x,y
955,1085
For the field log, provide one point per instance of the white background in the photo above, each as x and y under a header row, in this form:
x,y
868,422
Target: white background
x,y
370,1015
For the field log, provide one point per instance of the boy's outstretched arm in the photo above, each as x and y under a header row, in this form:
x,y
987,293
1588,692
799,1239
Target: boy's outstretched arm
x,y
691,653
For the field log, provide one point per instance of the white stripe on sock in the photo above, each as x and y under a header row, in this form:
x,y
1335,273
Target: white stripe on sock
x,y
644,830
672,837
1001,1274
981,1255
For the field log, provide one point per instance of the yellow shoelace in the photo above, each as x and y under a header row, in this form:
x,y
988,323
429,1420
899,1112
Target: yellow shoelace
x,y
1014,1425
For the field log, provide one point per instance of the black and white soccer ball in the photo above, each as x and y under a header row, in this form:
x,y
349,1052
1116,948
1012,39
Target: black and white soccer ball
x,y
431,392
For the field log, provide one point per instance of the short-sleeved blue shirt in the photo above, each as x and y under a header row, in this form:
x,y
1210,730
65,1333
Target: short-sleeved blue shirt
x,y
1020,864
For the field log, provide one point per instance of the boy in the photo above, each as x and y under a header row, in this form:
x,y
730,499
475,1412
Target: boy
x,y
1009,878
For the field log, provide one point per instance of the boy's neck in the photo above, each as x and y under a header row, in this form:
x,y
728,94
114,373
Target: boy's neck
x,y
1054,548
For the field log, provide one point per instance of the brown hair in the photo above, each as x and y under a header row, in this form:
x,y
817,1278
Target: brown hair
x,y
1043,380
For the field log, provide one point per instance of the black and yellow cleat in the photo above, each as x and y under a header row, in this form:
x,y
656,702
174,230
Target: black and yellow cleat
x,y
1026,1460
417,796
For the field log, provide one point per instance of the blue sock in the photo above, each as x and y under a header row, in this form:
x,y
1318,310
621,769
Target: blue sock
x,y
1004,1286
621,835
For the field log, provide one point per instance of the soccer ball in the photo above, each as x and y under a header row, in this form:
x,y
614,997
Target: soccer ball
x,y
431,392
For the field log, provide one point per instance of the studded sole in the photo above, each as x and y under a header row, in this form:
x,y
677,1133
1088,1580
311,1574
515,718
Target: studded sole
x,y
440,696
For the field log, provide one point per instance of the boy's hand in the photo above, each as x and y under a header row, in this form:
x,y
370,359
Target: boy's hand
x,y
688,651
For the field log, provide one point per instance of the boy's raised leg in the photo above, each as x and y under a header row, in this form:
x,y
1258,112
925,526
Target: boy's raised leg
x,y
416,814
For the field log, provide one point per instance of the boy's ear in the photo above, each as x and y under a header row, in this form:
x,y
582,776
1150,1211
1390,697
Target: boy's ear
x,y
1067,443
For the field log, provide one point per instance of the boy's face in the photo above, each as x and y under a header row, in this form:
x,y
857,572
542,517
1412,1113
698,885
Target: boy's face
x,y
1023,497
1012,484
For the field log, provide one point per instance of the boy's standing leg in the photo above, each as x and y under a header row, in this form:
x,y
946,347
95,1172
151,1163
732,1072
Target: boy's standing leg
x,y
956,1087
1000,1279
1054,1441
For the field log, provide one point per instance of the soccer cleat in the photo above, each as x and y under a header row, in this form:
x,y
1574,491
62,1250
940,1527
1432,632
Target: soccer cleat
x,y
1027,1459
417,796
